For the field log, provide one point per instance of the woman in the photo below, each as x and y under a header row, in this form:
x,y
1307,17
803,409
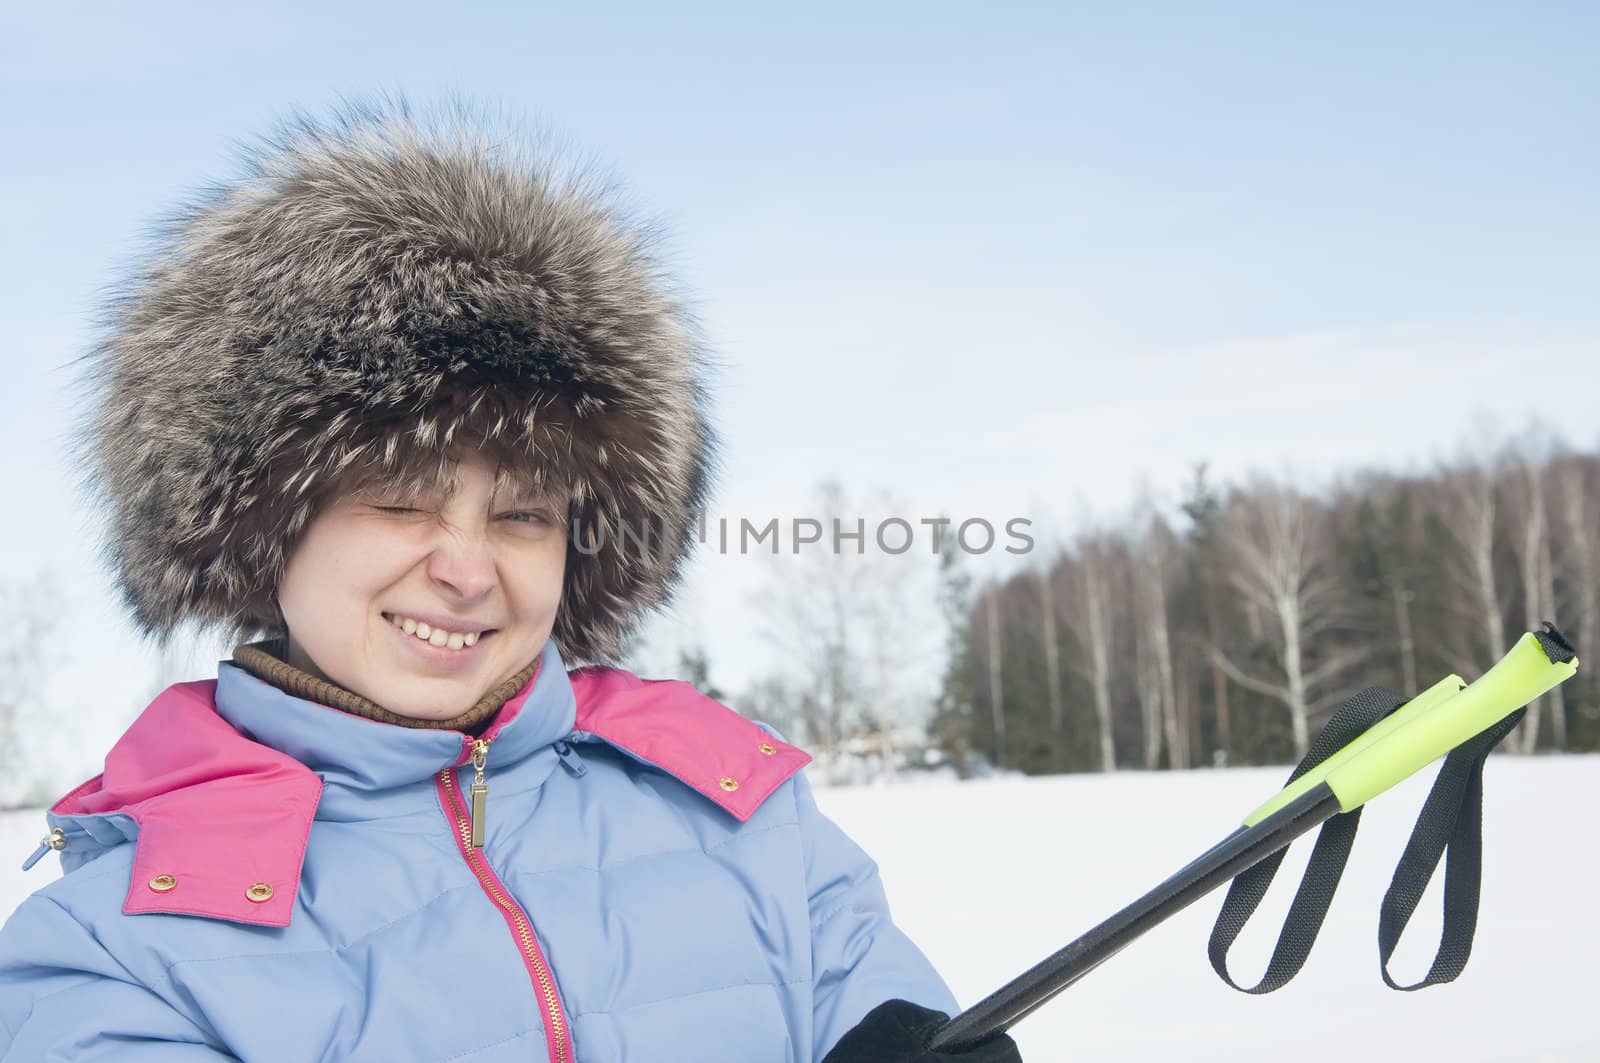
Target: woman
x,y
409,407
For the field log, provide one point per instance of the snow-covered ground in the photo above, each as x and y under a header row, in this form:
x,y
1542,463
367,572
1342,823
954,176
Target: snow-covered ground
x,y
992,876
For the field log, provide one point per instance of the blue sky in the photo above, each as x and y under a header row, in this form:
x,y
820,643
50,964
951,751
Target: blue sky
x,y
1014,260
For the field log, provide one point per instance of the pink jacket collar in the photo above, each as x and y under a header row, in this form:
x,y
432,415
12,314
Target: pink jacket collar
x,y
227,819
670,725
223,819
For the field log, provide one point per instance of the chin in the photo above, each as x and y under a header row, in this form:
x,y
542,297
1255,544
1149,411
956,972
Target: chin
x,y
448,699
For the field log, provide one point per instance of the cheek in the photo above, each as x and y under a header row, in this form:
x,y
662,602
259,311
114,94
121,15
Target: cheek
x,y
336,573
540,579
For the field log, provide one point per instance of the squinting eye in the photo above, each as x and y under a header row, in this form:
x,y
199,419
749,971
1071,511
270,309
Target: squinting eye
x,y
395,509
529,516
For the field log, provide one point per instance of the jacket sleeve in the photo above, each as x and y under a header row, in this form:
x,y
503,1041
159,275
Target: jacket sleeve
x,y
64,997
859,957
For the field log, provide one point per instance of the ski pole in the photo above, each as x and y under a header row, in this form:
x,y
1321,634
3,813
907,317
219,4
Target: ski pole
x,y
1427,727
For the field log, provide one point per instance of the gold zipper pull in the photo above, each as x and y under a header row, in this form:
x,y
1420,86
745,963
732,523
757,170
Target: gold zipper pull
x,y
56,839
480,791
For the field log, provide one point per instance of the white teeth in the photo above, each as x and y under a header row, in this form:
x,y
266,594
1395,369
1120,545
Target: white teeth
x,y
435,636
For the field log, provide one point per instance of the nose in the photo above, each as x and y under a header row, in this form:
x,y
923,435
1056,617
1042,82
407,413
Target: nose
x,y
462,565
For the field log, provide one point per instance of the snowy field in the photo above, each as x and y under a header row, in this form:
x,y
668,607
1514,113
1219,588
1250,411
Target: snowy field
x,y
992,876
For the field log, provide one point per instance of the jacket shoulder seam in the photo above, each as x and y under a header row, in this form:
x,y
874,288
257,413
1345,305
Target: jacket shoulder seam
x,y
839,909
81,877
33,1004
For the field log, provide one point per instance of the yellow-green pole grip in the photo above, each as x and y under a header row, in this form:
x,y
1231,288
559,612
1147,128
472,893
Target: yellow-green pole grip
x,y
1522,675
1425,702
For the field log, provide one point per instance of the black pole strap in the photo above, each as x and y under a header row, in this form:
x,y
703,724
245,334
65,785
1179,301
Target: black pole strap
x,y
1450,825
1328,858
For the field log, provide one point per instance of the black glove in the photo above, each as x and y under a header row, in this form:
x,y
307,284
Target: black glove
x,y
898,1032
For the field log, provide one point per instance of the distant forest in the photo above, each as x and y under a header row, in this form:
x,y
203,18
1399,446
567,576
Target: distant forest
x,y
1231,637
1227,630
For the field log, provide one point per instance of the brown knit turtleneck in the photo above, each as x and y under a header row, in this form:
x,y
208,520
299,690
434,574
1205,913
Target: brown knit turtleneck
x,y
265,661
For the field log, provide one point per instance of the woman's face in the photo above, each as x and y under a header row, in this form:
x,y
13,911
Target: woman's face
x,y
423,605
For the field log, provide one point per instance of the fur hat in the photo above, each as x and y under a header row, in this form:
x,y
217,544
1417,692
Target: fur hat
x,y
375,290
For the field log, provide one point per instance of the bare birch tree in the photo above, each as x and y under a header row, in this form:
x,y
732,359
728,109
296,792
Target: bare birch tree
x,y
1278,564
1468,514
808,622
1525,485
1051,643
1152,573
1576,491
805,612
30,614
995,654
852,620
1147,685
1090,618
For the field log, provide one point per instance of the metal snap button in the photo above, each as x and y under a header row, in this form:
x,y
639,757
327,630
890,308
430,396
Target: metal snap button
x,y
259,892
768,748
728,784
163,883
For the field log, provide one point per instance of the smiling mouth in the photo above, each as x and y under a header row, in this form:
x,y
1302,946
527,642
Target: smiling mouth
x,y
438,637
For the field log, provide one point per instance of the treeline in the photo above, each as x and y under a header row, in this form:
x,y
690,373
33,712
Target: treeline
x,y
1227,630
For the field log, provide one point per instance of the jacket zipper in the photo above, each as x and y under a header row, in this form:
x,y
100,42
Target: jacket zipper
x,y
469,831
480,790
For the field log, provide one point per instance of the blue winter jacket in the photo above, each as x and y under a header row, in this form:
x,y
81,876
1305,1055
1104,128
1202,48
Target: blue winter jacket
x,y
260,877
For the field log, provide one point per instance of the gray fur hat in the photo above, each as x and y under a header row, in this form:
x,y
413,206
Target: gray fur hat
x,y
375,290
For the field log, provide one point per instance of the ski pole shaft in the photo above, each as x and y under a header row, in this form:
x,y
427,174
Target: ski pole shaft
x,y
1426,728
1240,850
